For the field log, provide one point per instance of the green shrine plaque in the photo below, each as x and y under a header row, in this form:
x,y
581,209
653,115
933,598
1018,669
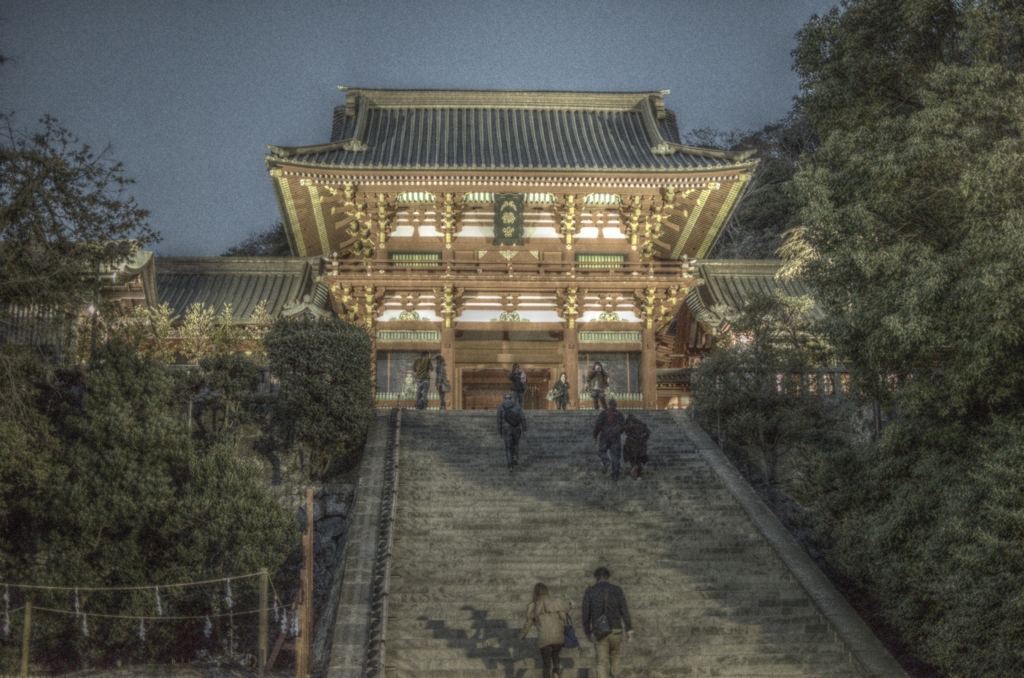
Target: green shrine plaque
x,y
508,218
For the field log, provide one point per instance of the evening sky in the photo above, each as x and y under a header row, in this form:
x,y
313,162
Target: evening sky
x,y
189,92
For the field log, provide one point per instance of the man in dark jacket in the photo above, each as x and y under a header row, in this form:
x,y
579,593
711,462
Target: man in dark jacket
x,y
518,378
421,371
607,600
608,435
635,449
511,426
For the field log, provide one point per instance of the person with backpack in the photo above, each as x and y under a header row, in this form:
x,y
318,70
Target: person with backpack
x,y
605,617
549,615
421,370
635,449
597,384
518,378
511,427
608,435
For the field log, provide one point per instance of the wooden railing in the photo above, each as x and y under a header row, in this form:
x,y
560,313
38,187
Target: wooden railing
x,y
524,267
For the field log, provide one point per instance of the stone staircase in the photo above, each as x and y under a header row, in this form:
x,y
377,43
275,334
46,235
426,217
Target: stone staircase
x,y
707,595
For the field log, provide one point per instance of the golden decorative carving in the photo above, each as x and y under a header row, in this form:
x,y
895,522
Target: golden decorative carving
x,y
355,220
358,305
570,310
448,213
632,210
644,302
385,214
565,214
448,303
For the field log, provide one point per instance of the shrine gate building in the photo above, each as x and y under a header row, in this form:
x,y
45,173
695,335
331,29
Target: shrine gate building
x,y
548,229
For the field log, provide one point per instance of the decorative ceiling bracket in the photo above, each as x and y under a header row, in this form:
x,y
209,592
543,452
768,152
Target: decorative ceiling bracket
x,y
385,208
355,222
569,304
449,211
566,217
633,209
448,303
358,304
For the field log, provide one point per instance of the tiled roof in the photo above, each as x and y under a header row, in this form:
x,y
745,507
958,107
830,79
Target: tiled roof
x,y
241,282
727,284
400,129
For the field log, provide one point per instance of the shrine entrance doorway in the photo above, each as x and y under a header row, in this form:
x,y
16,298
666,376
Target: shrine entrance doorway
x,y
485,388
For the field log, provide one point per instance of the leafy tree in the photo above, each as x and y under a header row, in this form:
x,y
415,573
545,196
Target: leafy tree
x,y
65,217
753,392
197,333
325,404
256,330
148,329
912,223
129,501
224,392
769,207
272,242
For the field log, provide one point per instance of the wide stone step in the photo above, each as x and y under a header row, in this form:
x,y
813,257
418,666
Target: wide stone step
x,y
708,597
718,630
572,668
571,672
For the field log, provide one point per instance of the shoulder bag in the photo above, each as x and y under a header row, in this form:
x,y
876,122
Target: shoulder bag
x,y
571,640
601,627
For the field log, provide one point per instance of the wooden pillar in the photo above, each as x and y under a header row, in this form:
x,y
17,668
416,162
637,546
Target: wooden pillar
x,y
26,636
681,347
261,658
304,643
454,399
649,368
571,350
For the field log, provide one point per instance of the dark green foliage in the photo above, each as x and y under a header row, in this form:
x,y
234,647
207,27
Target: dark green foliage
x,y
752,394
769,207
325,405
64,214
272,242
914,215
117,495
225,392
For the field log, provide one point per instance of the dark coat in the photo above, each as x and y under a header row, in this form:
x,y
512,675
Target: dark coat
x,y
518,379
637,434
421,367
561,390
597,380
607,599
609,424
503,423
440,375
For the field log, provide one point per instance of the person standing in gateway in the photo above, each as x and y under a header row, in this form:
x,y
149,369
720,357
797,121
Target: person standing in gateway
x,y
421,370
518,378
597,384
441,379
605,617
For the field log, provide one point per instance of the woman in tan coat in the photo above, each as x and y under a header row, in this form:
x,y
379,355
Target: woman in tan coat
x,y
549,615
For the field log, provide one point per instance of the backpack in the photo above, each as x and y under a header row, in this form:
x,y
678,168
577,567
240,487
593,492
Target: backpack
x,y
514,415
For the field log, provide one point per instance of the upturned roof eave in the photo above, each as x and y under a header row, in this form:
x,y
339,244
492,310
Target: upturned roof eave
x,y
277,161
